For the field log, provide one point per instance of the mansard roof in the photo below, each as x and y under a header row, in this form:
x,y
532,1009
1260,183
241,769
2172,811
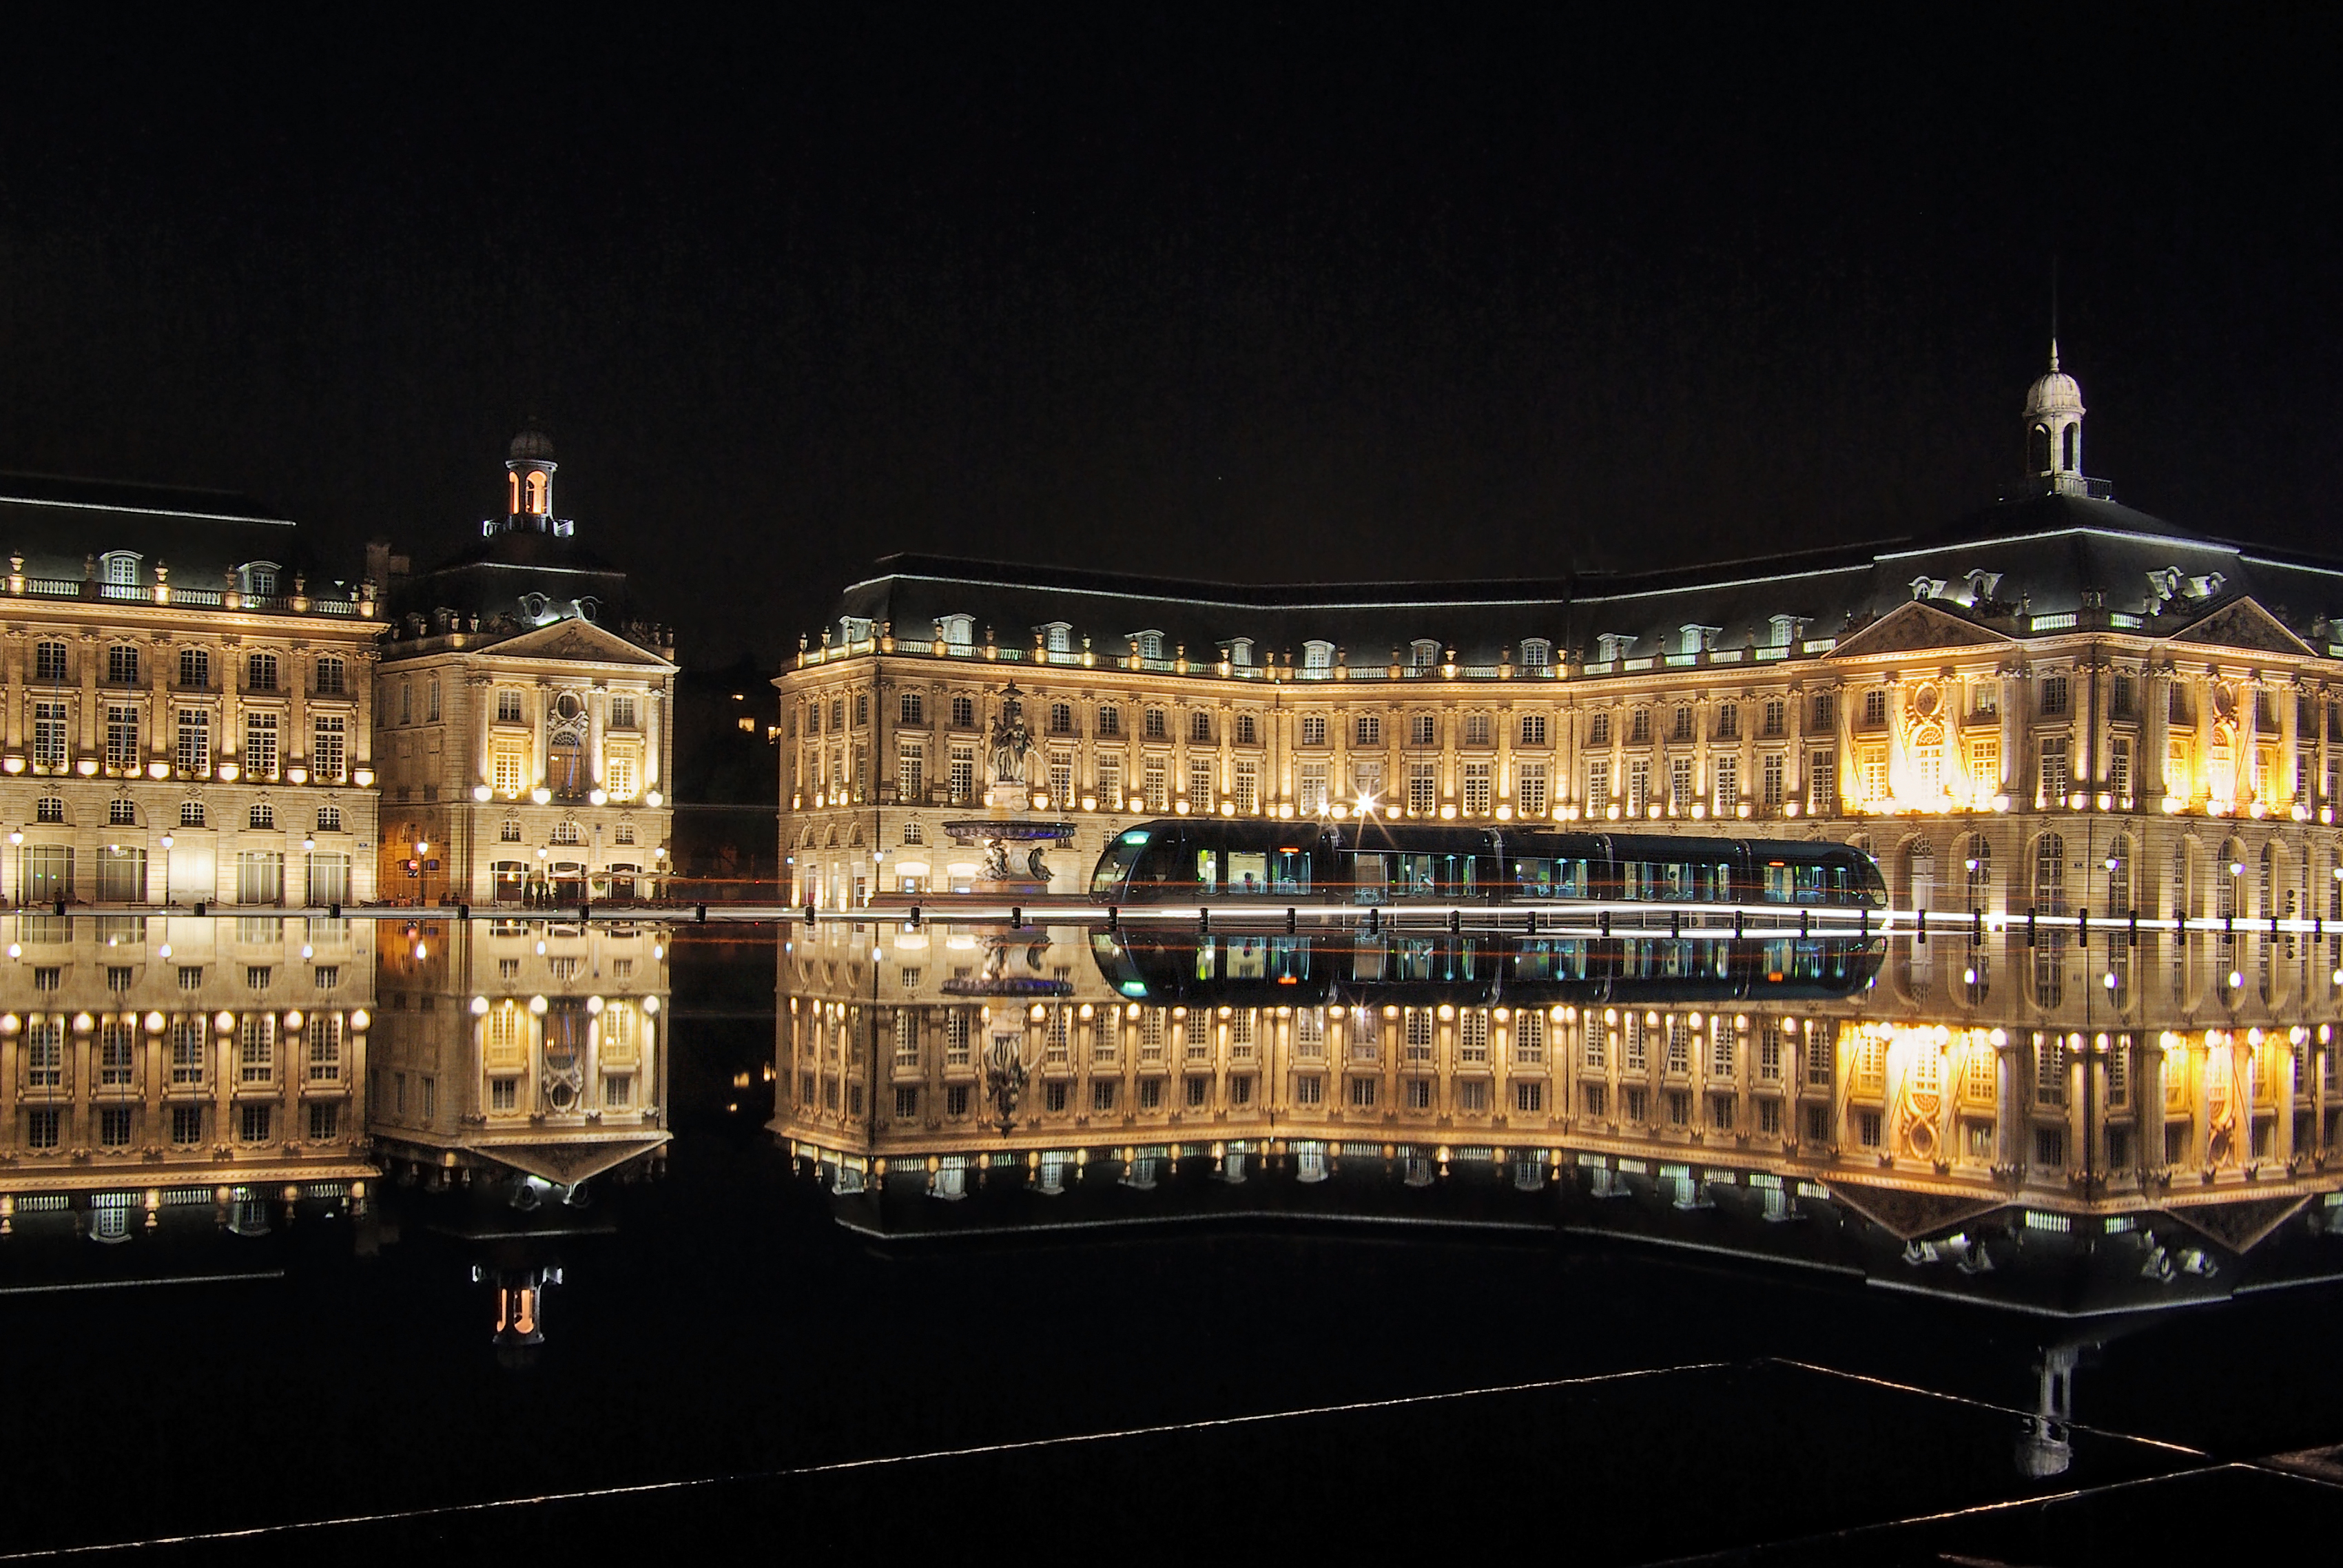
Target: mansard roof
x,y
2018,569
58,524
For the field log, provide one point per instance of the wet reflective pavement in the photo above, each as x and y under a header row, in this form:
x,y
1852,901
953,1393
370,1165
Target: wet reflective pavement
x,y
1410,1307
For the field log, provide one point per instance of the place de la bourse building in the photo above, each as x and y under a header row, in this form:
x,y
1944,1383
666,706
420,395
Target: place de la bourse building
x,y
2058,703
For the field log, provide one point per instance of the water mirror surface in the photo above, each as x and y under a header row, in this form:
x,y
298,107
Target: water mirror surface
x,y
1703,1243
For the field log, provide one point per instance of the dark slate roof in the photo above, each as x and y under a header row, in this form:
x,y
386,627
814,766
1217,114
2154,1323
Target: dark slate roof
x,y
56,523
2002,566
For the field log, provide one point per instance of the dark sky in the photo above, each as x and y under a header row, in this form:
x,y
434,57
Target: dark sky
x,y
1273,292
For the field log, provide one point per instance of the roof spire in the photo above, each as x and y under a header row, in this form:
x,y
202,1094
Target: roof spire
x,y
2053,313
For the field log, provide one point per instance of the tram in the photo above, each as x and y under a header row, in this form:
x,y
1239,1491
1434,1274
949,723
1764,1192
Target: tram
x,y
1204,860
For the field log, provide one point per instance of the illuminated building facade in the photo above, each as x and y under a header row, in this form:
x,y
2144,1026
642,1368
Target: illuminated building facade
x,y
518,1049
2057,704
1918,1085
187,703
526,716
151,1063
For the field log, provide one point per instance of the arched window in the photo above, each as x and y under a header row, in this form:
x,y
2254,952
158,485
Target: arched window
x,y
2226,877
2268,904
1537,653
2118,868
1977,866
538,492
2072,431
2038,449
512,492
2050,874
1928,762
1920,873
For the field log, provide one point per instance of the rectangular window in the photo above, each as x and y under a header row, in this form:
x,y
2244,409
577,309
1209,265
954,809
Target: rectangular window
x,y
1598,730
329,749
50,661
324,1122
1110,782
195,668
1529,1039
49,735
2054,780
1681,789
260,746
1200,784
2119,766
1424,787
1776,769
256,1053
1532,729
194,754
1247,790
122,737
260,672
2054,695
1477,795
1598,786
1639,787
253,1124
1367,729
1313,798
1530,790
1822,781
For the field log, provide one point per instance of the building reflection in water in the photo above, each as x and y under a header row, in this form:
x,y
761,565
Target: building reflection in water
x,y
2074,1127
528,1053
241,1073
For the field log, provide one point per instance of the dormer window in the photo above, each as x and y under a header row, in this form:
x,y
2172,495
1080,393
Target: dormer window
x,y
854,628
957,630
1147,644
1612,645
1782,631
1240,652
1927,587
1424,653
1983,586
590,607
260,578
1537,653
1058,637
1696,637
1317,655
118,571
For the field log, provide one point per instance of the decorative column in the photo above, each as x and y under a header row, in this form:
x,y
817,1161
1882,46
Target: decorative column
x,y
2155,732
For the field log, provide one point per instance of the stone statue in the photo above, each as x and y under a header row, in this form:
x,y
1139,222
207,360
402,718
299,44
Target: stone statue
x,y
1010,741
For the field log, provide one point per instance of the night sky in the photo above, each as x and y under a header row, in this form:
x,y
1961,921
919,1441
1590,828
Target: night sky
x,y
1273,292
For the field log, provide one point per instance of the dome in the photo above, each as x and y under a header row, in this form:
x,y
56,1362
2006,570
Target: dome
x,y
531,444
2057,393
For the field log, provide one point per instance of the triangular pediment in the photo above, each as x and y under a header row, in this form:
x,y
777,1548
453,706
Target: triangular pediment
x,y
1910,1215
2239,1223
2242,623
1916,627
567,1161
581,639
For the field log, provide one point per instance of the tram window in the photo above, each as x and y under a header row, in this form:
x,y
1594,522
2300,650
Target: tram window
x,y
1206,949
1534,879
1367,961
1370,874
1774,885
1248,871
1248,959
1289,871
1208,870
